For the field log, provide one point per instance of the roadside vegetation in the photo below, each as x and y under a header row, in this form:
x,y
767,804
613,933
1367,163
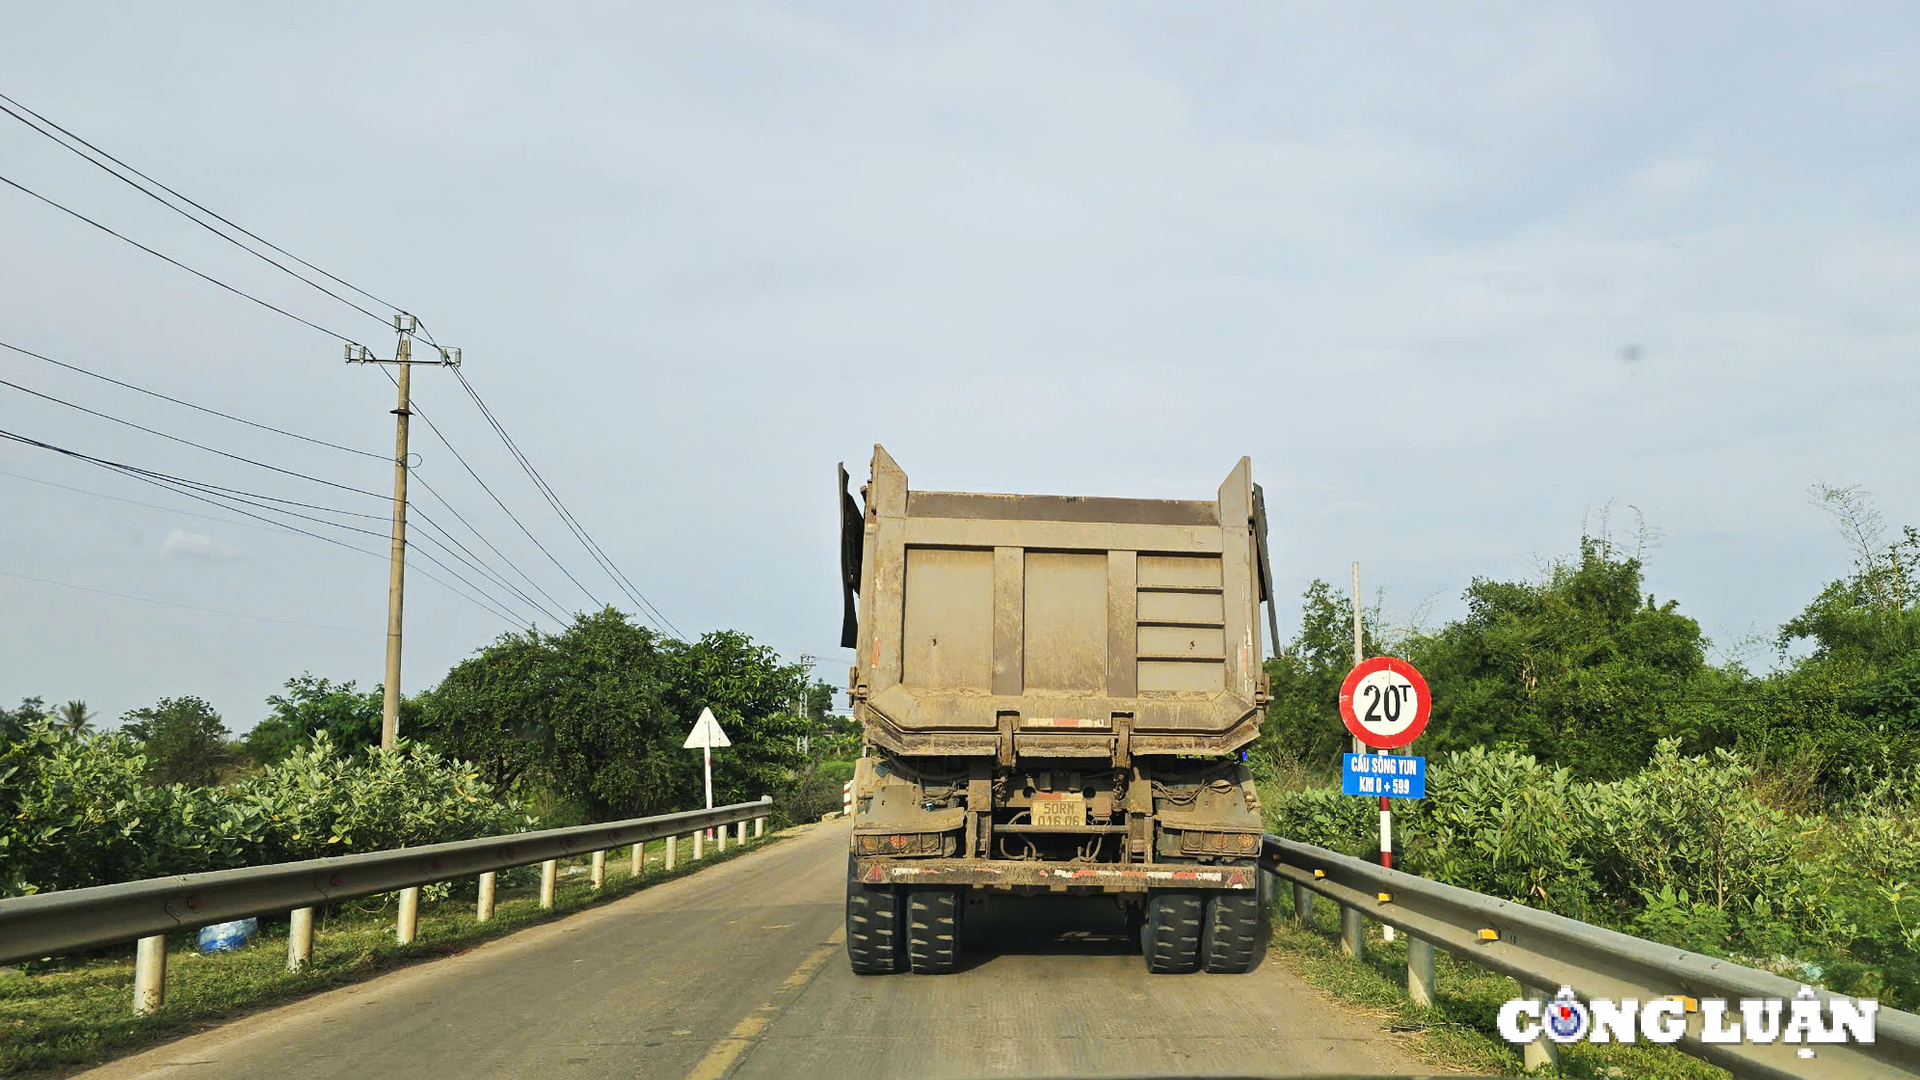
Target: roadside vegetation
x,y
1585,757
533,731
1456,1032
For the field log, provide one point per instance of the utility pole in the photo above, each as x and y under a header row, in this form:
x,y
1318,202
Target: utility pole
x,y
1359,642
404,326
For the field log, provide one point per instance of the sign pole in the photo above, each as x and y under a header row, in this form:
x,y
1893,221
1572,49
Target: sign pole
x,y
1360,654
706,735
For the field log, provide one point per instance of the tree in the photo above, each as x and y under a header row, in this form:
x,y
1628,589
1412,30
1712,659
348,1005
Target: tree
x,y
14,723
311,705
598,712
1303,718
183,739
1579,669
76,718
493,709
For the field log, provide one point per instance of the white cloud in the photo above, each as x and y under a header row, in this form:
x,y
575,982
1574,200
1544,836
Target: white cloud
x,y
185,545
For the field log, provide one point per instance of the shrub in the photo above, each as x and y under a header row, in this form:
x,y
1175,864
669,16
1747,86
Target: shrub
x,y
1689,829
1501,823
79,812
1326,818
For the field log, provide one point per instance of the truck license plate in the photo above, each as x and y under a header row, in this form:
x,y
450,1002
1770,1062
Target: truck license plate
x,y
1058,810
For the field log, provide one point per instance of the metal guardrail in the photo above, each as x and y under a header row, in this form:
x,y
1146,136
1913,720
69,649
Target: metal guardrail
x,y
1544,952
55,923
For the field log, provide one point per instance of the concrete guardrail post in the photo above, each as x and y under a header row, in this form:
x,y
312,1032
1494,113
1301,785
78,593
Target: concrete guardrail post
x,y
673,845
639,858
1420,970
1541,1051
740,833
720,839
299,938
1302,904
599,875
759,823
699,845
1353,933
409,916
149,974
483,912
549,876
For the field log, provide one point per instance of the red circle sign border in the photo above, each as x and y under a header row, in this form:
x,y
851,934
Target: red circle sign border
x,y
1422,696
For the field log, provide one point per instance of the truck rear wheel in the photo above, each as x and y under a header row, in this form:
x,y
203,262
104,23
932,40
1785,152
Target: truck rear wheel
x,y
1171,936
1229,944
933,930
873,927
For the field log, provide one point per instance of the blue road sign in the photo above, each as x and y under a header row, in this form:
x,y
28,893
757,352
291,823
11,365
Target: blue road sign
x,y
1397,776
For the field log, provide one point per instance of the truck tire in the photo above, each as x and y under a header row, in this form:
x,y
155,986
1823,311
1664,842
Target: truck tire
x,y
1229,944
873,927
933,930
1171,936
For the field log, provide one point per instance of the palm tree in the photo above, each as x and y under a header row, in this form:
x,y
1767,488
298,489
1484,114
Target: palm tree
x,y
76,718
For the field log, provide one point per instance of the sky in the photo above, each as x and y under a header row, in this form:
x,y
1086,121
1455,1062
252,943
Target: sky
x,y
1458,279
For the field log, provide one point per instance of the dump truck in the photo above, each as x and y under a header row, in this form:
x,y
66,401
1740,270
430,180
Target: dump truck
x,y
1055,694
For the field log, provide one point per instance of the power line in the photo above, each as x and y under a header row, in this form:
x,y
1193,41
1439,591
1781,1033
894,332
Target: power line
x,y
190,442
184,607
199,408
129,502
84,156
267,427
557,606
431,426
170,259
553,499
466,555
223,498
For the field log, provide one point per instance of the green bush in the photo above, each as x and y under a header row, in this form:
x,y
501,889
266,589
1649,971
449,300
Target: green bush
x,y
1325,818
1688,831
1504,824
79,811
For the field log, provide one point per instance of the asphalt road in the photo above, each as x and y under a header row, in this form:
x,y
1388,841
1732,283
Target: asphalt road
x,y
739,972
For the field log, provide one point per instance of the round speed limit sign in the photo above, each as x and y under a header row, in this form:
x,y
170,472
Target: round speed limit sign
x,y
1385,702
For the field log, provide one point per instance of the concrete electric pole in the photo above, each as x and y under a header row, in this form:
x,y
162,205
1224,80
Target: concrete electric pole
x,y
405,326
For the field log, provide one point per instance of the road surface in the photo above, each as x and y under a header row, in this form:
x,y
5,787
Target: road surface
x,y
739,972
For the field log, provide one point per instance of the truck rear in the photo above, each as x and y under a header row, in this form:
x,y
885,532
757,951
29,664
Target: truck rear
x,y
1055,692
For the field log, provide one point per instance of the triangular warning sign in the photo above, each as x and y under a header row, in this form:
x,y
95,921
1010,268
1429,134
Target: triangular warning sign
x,y
706,732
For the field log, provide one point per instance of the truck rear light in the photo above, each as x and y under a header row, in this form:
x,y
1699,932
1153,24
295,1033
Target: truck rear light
x,y
903,844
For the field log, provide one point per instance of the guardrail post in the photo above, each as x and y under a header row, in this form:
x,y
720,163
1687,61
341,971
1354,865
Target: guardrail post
x,y
740,833
549,876
484,911
1302,904
699,845
599,875
1541,1051
299,938
409,915
639,858
759,823
720,839
673,845
1419,970
1353,934
149,974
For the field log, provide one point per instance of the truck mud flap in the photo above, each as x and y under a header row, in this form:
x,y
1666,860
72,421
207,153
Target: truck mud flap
x,y
1054,877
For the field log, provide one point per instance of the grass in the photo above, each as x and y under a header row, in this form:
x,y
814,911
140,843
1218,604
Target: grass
x,y
1457,1031
65,1014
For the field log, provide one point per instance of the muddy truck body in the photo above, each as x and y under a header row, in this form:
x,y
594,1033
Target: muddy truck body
x,y
1055,694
